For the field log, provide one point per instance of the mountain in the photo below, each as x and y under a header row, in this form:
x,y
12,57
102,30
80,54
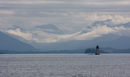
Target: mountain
x,y
120,43
14,27
75,44
108,40
108,24
50,28
9,43
105,40
126,25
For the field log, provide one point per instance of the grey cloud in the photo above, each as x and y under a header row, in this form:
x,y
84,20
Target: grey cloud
x,y
88,6
70,15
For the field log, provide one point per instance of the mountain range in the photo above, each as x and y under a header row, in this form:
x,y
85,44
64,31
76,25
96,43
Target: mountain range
x,y
106,40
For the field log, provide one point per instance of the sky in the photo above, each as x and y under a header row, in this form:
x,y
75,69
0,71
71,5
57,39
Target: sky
x,y
70,16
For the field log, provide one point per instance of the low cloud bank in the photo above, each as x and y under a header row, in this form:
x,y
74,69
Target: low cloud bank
x,y
43,37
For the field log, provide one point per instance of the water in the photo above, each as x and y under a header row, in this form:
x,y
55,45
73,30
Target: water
x,y
64,65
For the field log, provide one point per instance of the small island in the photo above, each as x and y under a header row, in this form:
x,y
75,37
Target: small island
x,y
93,50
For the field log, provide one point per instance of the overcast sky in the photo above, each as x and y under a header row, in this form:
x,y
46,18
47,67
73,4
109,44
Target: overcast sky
x,y
70,16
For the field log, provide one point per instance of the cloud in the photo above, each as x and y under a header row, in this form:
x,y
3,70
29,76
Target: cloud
x,y
7,12
95,17
122,31
106,3
28,2
69,13
117,19
54,13
26,36
67,5
71,16
43,37
69,22
95,32
24,13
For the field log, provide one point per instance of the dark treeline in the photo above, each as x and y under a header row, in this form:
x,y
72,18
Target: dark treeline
x,y
89,50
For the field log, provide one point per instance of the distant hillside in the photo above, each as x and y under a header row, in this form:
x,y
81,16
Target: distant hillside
x,y
1,53
120,43
112,50
109,40
121,51
9,43
108,50
93,50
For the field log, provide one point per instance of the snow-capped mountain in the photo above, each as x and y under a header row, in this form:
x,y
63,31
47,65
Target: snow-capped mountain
x,y
116,39
14,27
108,23
50,28
102,33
